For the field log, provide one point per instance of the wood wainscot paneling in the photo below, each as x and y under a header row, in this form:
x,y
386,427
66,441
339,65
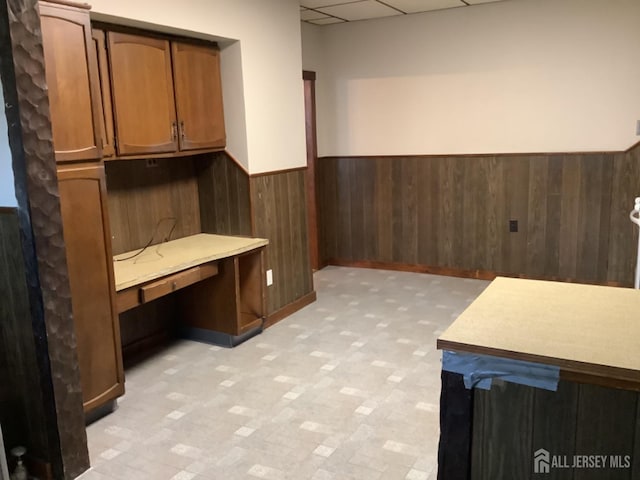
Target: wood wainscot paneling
x,y
148,197
278,201
225,203
623,237
452,213
21,407
271,206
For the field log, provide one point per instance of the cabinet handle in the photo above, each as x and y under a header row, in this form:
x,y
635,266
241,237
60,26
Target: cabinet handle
x,y
174,131
183,134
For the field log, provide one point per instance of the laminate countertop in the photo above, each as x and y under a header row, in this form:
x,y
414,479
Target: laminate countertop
x,y
176,255
590,332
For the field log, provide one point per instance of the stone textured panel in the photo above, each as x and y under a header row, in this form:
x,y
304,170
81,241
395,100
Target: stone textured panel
x,y
27,109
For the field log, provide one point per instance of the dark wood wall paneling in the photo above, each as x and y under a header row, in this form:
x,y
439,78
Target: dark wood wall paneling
x,y
271,206
279,213
225,202
623,238
144,200
452,213
512,421
21,407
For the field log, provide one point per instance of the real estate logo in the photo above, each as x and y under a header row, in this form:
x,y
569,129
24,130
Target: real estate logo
x,y
544,461
541,461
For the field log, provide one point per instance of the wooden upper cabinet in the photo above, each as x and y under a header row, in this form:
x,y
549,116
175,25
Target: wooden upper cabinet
x,y
106,117
142,91
71,74
198,95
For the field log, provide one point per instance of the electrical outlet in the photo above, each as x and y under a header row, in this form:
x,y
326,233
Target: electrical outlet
x,y
151,162
269,277
513,226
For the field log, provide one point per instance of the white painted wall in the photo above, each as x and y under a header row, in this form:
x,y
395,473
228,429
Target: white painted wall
x,y
261,59
7,189
313,50
514,76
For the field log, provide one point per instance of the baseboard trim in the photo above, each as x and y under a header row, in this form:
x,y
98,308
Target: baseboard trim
x,y
455,272
218,338
290,309
101,411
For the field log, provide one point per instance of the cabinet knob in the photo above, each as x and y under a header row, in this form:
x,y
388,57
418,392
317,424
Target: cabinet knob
x,y
174,131
174,285
183,134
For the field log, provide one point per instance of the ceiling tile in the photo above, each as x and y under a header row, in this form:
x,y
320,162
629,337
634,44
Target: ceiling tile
x,y
312,15
415,6
323,3
326,21
360,10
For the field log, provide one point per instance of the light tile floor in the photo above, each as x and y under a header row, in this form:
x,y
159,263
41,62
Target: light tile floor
x,y
347,388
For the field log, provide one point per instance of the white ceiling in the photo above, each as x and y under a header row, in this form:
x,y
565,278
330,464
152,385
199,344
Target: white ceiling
x,y
324,12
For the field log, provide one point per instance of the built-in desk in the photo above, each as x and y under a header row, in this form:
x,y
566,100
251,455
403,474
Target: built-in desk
x,y
590,335
219,281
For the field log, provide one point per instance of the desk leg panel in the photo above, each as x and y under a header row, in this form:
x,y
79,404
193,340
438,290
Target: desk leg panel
x,y
211,304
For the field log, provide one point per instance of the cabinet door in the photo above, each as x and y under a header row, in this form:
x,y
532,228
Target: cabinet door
x,y
198,91
106,117
86,228
142,90
71,75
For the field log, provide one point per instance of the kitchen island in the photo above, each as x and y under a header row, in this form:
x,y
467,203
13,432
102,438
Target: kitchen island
x,y
585,340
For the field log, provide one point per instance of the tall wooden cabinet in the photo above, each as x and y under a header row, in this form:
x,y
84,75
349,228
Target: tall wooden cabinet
x,y
114,93
83,203
72,80
76,112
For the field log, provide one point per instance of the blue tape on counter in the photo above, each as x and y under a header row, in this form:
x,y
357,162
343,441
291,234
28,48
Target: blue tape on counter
x,y
479,370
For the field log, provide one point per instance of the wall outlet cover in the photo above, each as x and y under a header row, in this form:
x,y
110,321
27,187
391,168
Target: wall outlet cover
x,y
269,277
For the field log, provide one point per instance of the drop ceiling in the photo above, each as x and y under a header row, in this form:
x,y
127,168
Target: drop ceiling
x,y
325,12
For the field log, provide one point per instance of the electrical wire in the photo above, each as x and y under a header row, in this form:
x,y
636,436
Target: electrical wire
x,y
155,231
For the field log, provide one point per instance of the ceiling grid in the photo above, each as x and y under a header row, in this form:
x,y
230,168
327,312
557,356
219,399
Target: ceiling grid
x,y
325,12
